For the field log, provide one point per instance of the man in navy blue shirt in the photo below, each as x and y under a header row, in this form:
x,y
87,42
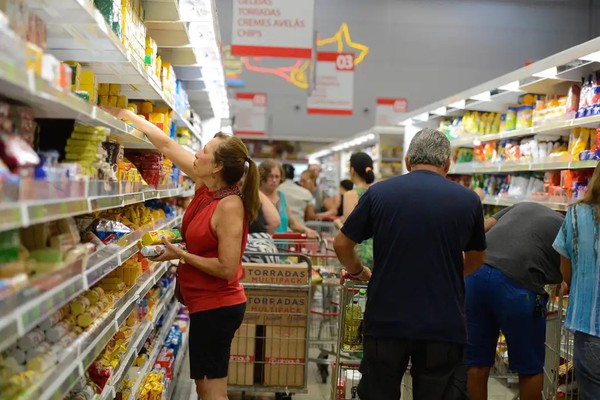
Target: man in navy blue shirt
x,y
428,232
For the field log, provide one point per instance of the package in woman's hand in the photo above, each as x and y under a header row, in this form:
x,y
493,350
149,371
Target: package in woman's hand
x,y
155,237
156,250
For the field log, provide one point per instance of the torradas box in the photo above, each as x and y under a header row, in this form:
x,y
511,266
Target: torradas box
x,y
276,274
285,356
242,356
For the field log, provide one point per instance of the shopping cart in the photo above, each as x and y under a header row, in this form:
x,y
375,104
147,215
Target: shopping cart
x,y
326,229
559,381
353,299
269,352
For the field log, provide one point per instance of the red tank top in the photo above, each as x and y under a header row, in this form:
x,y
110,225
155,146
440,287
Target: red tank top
x,y
201,291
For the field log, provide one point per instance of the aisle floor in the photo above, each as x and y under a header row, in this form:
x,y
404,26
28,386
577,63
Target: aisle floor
x,y
316,390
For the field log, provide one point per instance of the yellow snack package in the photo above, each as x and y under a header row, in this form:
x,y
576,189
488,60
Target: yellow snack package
x,y
155,237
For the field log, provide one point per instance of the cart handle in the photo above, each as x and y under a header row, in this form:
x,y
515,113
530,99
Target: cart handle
x,y
290,235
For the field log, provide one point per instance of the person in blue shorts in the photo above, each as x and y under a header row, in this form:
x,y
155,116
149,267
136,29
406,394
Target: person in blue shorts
x,y
507,294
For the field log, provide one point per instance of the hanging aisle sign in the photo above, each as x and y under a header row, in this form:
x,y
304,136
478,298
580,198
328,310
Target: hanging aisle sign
x,y
273,28
250,114
334,90
389,112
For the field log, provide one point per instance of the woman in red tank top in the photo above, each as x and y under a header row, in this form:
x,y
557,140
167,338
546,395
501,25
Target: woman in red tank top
x,y
214,228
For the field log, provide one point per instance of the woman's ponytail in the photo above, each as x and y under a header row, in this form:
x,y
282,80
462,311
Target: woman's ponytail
x,y
250,190
369,175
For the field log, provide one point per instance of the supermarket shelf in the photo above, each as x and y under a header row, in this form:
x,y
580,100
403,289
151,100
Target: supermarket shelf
x,y
135,346
189,149
87,347
92,42
49,101
391,159
184,123
143,331
500,201
65,285
478,168
162,336
552,128
177,366
26,213
188,193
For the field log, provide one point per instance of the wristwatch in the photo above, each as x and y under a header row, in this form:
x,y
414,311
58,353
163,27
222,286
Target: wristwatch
x,y
182,257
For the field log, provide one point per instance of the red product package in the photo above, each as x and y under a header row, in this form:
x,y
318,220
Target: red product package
x,y
16,152
573,98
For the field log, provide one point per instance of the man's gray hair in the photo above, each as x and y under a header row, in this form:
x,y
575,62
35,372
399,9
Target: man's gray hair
x,y
430,147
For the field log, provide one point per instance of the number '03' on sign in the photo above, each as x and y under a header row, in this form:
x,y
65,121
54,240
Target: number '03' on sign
x,y
344,62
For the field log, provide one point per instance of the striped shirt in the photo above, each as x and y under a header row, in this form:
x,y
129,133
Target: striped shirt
x,y
579,241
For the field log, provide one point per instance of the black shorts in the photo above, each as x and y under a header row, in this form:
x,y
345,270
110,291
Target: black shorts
x,y
437,369
211,333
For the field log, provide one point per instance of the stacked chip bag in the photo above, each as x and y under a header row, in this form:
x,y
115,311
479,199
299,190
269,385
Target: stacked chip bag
x,y
153,386
85,148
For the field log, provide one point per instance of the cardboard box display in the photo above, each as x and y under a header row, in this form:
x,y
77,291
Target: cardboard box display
x,y
277,301
242,356
284,356
276,319
278,274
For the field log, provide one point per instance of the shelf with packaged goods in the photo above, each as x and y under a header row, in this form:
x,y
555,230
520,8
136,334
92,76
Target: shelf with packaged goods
x,y
551,75
49,101
158,344
135,346
177,367
468,168
550,128
15,215
75,360
505,202
92,42
23,310
391,160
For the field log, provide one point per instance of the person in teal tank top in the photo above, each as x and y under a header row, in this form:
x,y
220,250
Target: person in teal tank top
x,y
362,175
271,176
283,213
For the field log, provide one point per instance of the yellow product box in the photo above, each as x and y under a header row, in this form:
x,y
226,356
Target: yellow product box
x,y
75,74
33,58
115,89
88,77
112,100
103,100
103,89
147,108
122,101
